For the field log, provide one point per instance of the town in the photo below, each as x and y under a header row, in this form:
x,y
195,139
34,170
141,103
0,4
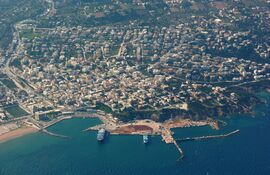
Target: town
x,y
198,67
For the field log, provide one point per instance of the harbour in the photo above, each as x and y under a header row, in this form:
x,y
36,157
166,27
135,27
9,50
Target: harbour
x,y
116,87
126,153
190,150
140,127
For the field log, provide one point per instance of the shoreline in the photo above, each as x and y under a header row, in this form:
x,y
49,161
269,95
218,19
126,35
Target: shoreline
x,y
19,132
27,129
145,127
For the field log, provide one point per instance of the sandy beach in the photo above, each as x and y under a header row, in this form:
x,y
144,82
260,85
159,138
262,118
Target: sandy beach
x,y
17,133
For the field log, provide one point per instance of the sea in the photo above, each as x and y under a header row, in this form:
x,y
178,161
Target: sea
x,y
245,153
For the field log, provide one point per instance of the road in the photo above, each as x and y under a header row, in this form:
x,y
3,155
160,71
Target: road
x,y
12,50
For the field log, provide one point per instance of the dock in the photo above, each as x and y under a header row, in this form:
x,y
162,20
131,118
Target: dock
x,y
156,129
167,137
95,128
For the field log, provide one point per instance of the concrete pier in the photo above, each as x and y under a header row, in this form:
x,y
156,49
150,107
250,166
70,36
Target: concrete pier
x,y
208,137
180,151
53,134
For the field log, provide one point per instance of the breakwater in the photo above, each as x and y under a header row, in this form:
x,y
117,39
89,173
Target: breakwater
x,y
207,137
53,134
180,151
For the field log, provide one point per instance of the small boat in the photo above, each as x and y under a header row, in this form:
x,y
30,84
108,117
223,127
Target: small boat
x,y
145,139
101,134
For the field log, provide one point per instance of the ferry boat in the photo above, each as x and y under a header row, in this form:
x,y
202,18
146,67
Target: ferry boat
x,y
101,134
145,139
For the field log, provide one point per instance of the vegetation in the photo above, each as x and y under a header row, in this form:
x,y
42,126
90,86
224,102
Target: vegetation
x,y
90,13
8,83
103,107
12,11
16,63
16,111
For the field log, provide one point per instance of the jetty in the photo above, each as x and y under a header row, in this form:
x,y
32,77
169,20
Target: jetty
x,y
174,141
180,150
53,134
142,127
208,137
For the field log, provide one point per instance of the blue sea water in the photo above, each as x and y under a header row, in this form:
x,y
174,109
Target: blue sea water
x,y
246,153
